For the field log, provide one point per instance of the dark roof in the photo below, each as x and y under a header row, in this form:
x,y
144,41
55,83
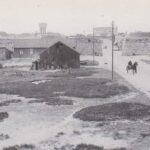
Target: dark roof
x,y
5,49
5,41
32,43
61,43
39,43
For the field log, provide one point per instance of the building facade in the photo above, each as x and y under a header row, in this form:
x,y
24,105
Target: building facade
x,y
30,48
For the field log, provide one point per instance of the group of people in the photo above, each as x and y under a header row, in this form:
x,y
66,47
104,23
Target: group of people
x,y
132,66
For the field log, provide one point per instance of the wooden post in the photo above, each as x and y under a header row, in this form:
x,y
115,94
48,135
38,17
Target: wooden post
x,y
112,50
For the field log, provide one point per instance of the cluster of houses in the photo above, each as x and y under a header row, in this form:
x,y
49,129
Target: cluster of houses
x,y
55,51
50,51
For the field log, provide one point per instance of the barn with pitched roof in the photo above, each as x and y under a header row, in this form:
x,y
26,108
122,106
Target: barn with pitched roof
x,y
59,55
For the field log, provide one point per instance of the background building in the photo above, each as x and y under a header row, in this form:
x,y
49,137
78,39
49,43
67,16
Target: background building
x,y
5,54
8,44
137,43
104,31
29,48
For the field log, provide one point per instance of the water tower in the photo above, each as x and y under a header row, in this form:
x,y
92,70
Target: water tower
x,y
42,27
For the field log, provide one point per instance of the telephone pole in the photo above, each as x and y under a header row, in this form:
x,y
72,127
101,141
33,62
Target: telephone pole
x,y
93,47
76,42
113,50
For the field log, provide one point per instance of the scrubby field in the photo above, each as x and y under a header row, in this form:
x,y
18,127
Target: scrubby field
x,y
78,110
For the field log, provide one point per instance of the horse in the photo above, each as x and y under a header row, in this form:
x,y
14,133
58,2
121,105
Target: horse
x,y
132,67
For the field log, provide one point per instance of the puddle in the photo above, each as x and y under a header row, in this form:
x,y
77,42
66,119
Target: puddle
x,y
13,98
40,81
83,77
59,93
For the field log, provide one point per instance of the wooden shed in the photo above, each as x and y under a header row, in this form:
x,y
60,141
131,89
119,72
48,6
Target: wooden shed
x,y
59,55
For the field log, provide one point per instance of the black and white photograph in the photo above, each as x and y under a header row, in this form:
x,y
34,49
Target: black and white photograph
x,y
74,75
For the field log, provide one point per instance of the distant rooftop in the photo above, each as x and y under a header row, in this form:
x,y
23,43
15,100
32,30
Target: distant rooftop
x,y
139,35
33,43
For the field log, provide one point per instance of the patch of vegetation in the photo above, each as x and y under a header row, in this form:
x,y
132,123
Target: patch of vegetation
x,y
1,66
89,63
114,111
144,135
53,101
7,103
83,146
81,72
86,88
4,137
88,147
117,136
101,124
122,148
70,85
65,147
95,88
3,115
21,147
76,132
60,134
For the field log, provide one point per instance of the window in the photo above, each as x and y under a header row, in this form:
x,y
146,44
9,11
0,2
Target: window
x,y
31,51
21,52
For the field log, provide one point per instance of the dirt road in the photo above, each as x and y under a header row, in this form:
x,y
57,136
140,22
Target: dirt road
x,y
139,80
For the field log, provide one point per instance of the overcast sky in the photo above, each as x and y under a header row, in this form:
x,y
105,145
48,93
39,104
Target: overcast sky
x,y
73,16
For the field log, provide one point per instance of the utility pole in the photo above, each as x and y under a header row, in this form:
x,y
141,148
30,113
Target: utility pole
x,y
93,47
113,50
76,42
